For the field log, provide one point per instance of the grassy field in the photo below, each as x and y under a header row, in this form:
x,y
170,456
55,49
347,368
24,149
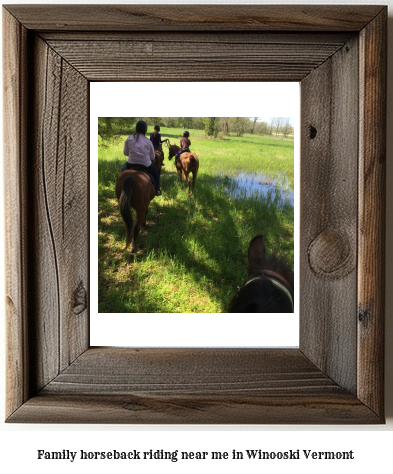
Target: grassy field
x,y
193,254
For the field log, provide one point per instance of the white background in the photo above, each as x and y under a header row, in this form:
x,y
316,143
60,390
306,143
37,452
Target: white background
x,y
210,100
371,444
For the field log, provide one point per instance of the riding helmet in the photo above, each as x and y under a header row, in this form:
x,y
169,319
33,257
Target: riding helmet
x,y
141,127
157,127
186,134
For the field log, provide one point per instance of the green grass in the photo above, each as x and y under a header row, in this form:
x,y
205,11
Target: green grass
x,y
193,254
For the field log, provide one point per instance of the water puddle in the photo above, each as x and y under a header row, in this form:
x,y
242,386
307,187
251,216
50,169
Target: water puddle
x,y
247,185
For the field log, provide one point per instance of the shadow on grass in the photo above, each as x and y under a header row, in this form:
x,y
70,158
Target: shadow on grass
x,y
205,235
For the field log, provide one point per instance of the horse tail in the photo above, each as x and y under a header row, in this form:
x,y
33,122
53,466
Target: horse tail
x,y
125,207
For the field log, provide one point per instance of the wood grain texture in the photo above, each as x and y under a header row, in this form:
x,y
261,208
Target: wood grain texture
x,y
372,198
52,374
328,248
193,386
185,371
201,37
192,18
16,227
59,174
216,60
192,409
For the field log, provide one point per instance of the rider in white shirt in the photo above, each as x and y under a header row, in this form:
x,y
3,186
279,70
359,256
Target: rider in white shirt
x,y
140,151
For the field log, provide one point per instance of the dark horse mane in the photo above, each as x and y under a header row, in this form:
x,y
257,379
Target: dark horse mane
x,y
259,296
261,291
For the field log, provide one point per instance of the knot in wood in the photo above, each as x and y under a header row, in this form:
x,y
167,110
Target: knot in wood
x,y
331,255
363,316
80,299
313,132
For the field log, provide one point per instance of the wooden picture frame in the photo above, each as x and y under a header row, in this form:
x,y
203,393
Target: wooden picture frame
x,y
338,54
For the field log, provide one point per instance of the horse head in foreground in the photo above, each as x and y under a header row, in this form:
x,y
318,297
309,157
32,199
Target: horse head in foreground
x,y
134,189
269,287
188,163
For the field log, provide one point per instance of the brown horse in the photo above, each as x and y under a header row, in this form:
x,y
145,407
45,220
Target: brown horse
x,y
188,163
269,287
158,160
134,189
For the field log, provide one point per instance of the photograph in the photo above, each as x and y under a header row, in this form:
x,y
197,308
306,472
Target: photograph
x,y
196,214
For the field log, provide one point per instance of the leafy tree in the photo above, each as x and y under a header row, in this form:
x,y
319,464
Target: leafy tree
x,y
105,127
153,121
239,125
187,122
110,126
198,123
261,128
224,125
211,129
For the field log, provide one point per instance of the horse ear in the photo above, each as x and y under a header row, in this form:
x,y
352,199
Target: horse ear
x,y
256,249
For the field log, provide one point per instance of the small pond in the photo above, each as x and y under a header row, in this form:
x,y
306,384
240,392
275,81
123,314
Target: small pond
x,y
250,184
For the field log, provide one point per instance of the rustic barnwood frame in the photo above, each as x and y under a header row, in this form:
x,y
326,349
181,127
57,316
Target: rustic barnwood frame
x,y
338,54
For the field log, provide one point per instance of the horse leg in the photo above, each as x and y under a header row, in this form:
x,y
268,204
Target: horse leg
x,y
194,175
140,220
179,172
136,233
188,183
125,207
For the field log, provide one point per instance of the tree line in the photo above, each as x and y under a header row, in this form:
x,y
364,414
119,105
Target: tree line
x,y
214,127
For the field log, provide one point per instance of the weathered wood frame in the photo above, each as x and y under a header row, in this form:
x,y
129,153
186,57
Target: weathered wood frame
x,y
338,54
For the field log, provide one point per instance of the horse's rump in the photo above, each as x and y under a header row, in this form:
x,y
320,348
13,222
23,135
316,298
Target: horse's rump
x,y
192,158
141,168
190,162
134,189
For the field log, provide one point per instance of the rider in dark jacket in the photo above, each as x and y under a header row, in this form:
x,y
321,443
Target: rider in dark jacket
x,y
155,138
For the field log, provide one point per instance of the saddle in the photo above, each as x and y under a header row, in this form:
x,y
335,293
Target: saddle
x,y
142,168
177,158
